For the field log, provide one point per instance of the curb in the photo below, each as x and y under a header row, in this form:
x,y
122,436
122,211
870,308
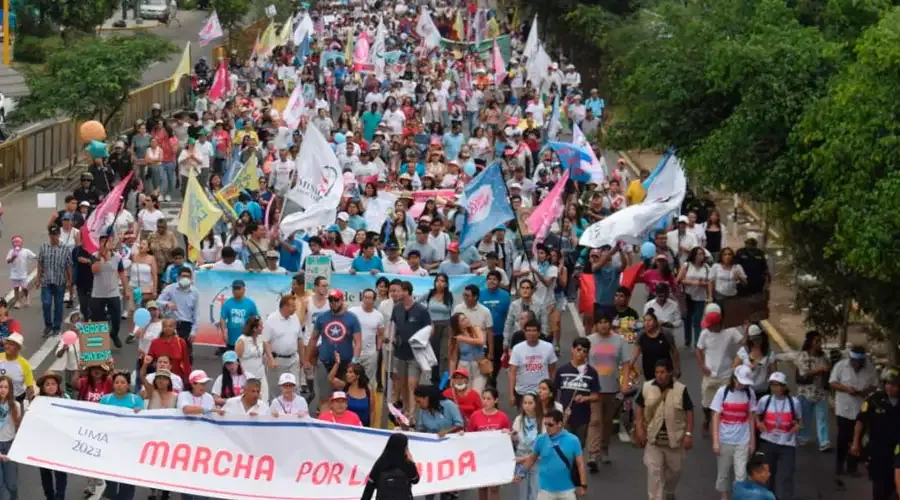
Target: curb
x,y
776,336
139,27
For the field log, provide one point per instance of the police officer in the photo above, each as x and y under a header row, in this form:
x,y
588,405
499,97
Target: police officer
x,y
880,417
87,192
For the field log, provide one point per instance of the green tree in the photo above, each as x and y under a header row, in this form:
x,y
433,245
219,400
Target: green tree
x,y
92,78
232,14
82,16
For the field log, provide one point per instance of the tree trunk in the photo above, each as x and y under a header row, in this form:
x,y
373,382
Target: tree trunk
x,y
845,324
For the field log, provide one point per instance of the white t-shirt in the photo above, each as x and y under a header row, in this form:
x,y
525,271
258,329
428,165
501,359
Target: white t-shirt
x,y
394,120
369,323
779,419
187,398
8,429
237,384
532,364
234,406
18,269
282,333
237,265
151,333
735,414
759,370
726,283
719,349
297,406
542,294
848,405
399,267
149,218
177,383
439,243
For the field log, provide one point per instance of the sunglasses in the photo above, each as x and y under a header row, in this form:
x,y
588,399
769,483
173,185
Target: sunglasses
x,y
332,299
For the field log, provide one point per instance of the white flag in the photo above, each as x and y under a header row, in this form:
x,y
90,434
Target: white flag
x,y
532,43
596,167
320,185
304,27
211,30
295,107
426,29
537,66
377,50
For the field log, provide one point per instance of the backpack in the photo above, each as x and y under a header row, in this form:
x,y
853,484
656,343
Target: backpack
x,y
746,390
790,402
393,484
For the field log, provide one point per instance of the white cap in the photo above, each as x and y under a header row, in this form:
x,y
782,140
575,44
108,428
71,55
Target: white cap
x,y
344,216
515,185
338,395
744,375
156,105
683,218
16,338
777,378
754,331
198,377
287,378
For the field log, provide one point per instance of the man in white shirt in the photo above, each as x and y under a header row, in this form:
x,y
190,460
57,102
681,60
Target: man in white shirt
x,y
282,331
394,118
394,263
715,352
479,315
544,274
681,241
282,173
347,232
249,402
372,325
852,378
493,264
229,261
666,310
439,240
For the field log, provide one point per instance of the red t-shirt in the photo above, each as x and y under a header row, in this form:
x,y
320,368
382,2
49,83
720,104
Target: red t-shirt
x,y
348,418
482,422
468,403
93,395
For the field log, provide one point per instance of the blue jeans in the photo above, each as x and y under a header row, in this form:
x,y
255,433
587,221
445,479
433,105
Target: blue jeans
x,y
692,320
169,179
528,486
154,179
9,474
817,410
52,302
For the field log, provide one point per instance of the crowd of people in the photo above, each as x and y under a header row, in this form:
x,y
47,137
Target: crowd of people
x,y
432,118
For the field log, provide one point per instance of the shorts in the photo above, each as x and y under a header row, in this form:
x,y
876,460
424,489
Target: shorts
x,y
561,302
708,388
18,283
406,369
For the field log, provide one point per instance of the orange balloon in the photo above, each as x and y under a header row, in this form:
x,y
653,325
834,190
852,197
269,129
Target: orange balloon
x,y
92,131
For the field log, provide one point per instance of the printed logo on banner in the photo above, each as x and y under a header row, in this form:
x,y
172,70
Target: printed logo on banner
x,y
336,331
479,204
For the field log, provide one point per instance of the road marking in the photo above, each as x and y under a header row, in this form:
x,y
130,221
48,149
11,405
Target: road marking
x,y
576,318
31,276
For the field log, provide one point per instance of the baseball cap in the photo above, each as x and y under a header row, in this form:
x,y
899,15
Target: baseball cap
x,y
777,378
344,216
711,316
515,185
390,246
238,284
287,378
163,373
336,294
744,375
453,247
16,338
84,204
754,331
229,357
272,254
68,216
156,105
198,377
461,372
338,395
152,305
683,218
332,229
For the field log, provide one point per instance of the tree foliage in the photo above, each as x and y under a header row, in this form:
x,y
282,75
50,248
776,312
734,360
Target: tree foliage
x,y
232,13
92,78
79,15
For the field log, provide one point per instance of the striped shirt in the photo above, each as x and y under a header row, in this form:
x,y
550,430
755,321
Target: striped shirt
x,y
53,262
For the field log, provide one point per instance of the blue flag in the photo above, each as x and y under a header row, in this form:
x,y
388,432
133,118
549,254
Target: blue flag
x,y
659,168
305,49
487,205
570,156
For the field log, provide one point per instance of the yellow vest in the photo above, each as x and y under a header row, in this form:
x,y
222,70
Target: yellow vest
x,y
669,411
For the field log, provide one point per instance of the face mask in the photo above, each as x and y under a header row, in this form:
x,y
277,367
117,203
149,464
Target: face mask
x,y
459,387
184,282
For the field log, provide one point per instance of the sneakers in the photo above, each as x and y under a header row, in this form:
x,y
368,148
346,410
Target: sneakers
x,y
624,437
167,198
604,459
47,332
116,342
825,448
131,339
592,466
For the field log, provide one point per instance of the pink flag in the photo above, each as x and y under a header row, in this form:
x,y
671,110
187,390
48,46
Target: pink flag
x,y
220,84
98,221
499,65
549,210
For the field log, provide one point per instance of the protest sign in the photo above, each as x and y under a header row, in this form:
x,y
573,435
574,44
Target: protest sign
x,y
94,344
317,266
267,290
211,456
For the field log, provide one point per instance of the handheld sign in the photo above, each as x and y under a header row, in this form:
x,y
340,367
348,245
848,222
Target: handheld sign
x,y
94,343
316,266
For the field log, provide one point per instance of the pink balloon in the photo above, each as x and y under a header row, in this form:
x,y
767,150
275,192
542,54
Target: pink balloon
x,y
69,338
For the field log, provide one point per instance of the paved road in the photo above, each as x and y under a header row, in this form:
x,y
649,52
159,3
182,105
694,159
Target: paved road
x,y
625,478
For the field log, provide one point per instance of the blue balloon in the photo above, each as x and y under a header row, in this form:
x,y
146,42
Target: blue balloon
x,y
339,138
142,318
648,250
97,149
469,169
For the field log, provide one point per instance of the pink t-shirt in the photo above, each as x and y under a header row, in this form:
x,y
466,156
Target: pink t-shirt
x,y
348,418
479,421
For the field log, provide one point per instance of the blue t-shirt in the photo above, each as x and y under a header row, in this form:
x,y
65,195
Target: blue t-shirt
x,y
291,260
336,332
452,145
130,400
357,222
606,282
553,475
370,124
361,265
497,302
453,268
236,313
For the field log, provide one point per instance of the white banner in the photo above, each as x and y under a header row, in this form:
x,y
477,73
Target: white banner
x,y
211,30
243,457
426,29
319,187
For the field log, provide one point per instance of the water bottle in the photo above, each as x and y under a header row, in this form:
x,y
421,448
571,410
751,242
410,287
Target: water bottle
x,y
138,296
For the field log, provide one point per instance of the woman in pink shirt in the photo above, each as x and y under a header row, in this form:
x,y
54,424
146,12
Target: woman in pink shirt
x,y
488,418
337,411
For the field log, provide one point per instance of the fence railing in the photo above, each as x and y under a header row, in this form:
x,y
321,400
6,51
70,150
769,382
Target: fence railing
x,y
58,145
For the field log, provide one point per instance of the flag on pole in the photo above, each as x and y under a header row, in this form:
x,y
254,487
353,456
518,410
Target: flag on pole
x,y
595,167
377,51
211,30
487,205
532,42
219,88
255,50
426,29
515,19
571,157
553,125
268,40
103,216
549,210
459,27
293,111
499,65
198,214
246,178
304,29
348,48
183,68
285,35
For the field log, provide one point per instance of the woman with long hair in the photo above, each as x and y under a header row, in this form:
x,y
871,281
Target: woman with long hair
x,y
714,230
724,278
394,472
489,418
53,482
210,248
352,250
756,355
153,174
653,346
254,353
231,381
465,348
813,370
694,278
142,274
10,419
93,383
546,395
439,302
778,420
121,397
526,427
238,238
355,210
359,397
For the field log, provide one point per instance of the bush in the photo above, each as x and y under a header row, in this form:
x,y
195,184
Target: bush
x,y
34,50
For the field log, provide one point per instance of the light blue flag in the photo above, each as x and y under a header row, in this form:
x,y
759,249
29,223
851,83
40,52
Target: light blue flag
x,y
554,122
571,157
487,205
659,168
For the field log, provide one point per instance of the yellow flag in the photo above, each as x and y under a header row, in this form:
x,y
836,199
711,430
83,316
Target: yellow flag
x,y
493,28
268,40
198,214
284,36
348,49
459,27
183,68
516,22
246,178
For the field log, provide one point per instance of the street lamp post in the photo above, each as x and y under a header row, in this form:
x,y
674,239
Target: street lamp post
x,y
137,12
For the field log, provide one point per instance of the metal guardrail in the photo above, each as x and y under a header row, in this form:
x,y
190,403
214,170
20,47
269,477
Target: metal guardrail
x,y
57,145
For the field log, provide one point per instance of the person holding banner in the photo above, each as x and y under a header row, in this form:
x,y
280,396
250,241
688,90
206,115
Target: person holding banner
x,y
11,413
249,402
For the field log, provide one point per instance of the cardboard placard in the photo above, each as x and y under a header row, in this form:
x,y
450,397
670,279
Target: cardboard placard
x,y
95,348
317,265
